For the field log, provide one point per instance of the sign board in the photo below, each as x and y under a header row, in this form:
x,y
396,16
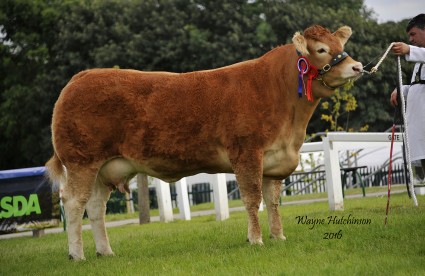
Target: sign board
x,y
25,197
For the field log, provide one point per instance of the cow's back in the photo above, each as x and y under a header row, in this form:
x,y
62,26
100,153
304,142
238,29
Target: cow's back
x,y
95,112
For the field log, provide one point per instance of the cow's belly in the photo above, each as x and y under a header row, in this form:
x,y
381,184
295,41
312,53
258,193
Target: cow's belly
x,y
280,163
118,171
277,163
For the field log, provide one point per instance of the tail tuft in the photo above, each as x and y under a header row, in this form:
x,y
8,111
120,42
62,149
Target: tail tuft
x,y
55,169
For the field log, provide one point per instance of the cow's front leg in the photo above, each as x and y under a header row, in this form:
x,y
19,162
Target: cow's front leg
x,y
251,197
271,194
248,172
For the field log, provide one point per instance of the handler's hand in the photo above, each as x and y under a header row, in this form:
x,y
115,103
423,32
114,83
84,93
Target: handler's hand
x,y
400,49
393,98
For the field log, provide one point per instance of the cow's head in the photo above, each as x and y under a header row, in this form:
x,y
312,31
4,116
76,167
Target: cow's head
x,y
324,50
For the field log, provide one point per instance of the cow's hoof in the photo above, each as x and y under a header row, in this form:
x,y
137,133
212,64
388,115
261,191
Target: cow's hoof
x,y
279,237
255,242
260,243
105,254
76,258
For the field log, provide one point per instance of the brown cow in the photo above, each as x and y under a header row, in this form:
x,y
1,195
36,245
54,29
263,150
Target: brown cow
x,y
246,118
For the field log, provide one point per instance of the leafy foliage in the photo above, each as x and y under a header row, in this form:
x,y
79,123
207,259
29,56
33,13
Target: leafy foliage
x,y
341,102
44,43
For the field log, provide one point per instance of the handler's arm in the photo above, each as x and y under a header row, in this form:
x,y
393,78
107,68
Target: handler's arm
x,y
393,99
413,54
416,54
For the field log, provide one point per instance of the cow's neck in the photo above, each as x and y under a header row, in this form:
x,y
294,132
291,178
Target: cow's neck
x,y
281,154
300,109
303,112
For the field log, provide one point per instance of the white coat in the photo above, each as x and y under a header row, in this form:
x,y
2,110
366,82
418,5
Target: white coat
x,y
416,106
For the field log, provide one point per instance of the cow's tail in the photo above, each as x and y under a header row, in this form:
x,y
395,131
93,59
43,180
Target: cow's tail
x,y
55,170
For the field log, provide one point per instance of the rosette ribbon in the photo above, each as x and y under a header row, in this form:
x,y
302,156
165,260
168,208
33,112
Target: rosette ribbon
x,y
305,68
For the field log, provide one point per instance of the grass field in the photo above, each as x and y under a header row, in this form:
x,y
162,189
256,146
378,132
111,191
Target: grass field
x,y
204,246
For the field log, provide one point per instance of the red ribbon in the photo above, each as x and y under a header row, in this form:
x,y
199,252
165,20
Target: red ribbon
x,y
312,74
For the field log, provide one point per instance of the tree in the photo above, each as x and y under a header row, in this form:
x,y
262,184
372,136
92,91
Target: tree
x,y
28,33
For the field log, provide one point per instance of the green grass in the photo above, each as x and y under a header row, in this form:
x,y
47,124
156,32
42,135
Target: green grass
x,y
204,246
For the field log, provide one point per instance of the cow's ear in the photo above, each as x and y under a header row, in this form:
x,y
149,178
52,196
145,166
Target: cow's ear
x,y
300,43
343,34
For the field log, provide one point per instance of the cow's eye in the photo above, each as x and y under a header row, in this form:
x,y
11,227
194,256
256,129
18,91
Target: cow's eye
x,y
321,51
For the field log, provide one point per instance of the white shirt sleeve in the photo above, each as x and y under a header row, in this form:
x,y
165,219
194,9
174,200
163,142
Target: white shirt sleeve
x,y
405,90
417,54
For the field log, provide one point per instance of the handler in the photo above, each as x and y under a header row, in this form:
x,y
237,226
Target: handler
x,y
415,91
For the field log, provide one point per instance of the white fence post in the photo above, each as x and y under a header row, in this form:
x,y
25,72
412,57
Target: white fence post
x,y
164,200
333,175
183,199
221,203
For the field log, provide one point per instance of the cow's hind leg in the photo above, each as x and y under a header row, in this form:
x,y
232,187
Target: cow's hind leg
x,y
96,209
271,194
76,193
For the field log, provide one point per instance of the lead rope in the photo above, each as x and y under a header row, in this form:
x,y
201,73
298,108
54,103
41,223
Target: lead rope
x,y
375,68
390,168
405,135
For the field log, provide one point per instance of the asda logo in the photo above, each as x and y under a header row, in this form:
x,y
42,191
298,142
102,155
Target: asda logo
x,y
18,206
